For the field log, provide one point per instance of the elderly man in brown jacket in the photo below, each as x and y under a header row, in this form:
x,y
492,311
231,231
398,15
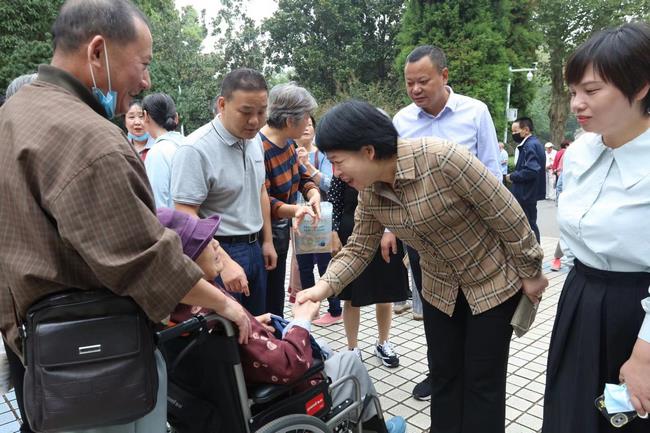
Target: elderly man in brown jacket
x,y
77,210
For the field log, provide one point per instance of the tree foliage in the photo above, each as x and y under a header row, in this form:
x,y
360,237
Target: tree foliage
x,y
25,38
240,43
334,45
565,25
481,39
179,67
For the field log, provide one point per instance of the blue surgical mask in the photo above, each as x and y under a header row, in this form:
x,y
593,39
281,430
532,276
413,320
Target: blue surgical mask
x,y
109,100
143,137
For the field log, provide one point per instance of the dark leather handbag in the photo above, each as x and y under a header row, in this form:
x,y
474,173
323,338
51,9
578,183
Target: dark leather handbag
x,y
89,361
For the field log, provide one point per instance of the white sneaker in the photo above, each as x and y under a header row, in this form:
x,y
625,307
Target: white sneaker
x,y
386,352
401,308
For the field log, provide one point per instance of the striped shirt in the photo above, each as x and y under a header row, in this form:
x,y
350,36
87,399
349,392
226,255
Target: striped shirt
x,y
284,175
471,233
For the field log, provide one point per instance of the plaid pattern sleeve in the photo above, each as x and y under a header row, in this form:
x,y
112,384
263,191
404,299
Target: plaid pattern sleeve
x,y
361,247
468,228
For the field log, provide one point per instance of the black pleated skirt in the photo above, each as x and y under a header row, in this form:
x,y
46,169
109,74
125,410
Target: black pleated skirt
x,y
598,319
380,282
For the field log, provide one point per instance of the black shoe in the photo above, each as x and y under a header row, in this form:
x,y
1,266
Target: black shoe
x,y
386,353
422,390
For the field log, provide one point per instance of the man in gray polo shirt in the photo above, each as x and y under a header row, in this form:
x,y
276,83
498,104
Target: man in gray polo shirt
x,y
220,170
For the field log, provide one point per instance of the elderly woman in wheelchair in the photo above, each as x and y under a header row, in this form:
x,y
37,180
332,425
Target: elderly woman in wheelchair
x,y
281,380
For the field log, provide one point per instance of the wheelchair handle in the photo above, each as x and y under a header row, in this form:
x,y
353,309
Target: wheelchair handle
x,y
195,323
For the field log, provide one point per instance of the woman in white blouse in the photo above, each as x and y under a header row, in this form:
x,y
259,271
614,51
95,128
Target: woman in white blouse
x,y
602,333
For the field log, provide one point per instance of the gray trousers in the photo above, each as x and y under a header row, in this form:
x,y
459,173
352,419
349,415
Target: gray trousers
x,y
344,363
155,421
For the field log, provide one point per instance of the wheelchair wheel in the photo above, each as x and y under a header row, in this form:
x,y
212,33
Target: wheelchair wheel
x,y
297,423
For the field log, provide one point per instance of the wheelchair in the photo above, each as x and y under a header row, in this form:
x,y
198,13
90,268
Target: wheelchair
x,y
207,392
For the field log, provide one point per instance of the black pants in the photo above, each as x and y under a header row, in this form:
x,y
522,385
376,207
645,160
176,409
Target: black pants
x,y
17,373
275,290
414,261
468,361
530,209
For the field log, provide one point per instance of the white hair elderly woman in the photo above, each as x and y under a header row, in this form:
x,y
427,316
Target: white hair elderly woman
x,y
289,110
19,82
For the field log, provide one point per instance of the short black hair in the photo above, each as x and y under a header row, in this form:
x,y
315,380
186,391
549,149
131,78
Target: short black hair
x,y
353,124
80,20
2,100
245,79
565,143
525,122
162,110
435,54
620,55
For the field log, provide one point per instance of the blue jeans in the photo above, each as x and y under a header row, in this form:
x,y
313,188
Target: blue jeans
x,y
275,289
306,267
249,257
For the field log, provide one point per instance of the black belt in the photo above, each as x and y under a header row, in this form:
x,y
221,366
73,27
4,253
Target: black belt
x,y
239,239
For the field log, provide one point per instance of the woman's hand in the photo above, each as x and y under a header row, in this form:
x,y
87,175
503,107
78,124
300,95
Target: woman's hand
x,y
320,291
306,310
299,215
388,245
534,287
314,202
635,373
265,320
303,155
336,243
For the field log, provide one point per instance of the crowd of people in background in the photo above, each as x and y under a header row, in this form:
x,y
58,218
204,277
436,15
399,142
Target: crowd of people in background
x,y
432,187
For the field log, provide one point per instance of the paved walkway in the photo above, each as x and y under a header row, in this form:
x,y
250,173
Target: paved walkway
x,y
526,369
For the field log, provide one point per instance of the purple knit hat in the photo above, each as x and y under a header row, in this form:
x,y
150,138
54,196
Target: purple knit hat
x,y
195,233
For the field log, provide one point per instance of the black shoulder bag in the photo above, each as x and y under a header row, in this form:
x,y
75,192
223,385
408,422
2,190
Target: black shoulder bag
x,y
89,361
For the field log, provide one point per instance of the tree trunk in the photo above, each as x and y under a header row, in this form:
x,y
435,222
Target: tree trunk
x,y
558,112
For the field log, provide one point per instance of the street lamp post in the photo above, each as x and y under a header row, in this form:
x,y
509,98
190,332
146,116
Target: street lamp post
x,y
529,76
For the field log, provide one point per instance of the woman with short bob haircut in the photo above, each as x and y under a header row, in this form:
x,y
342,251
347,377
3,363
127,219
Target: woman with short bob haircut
x,y
476,248
601,333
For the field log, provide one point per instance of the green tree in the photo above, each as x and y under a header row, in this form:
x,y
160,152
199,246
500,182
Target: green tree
x,y
240,44
334,45
522,42
25,38
566,24
481,38
179,68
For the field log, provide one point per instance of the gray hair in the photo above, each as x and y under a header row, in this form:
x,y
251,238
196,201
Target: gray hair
x,y
80,20
289,101
19,82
